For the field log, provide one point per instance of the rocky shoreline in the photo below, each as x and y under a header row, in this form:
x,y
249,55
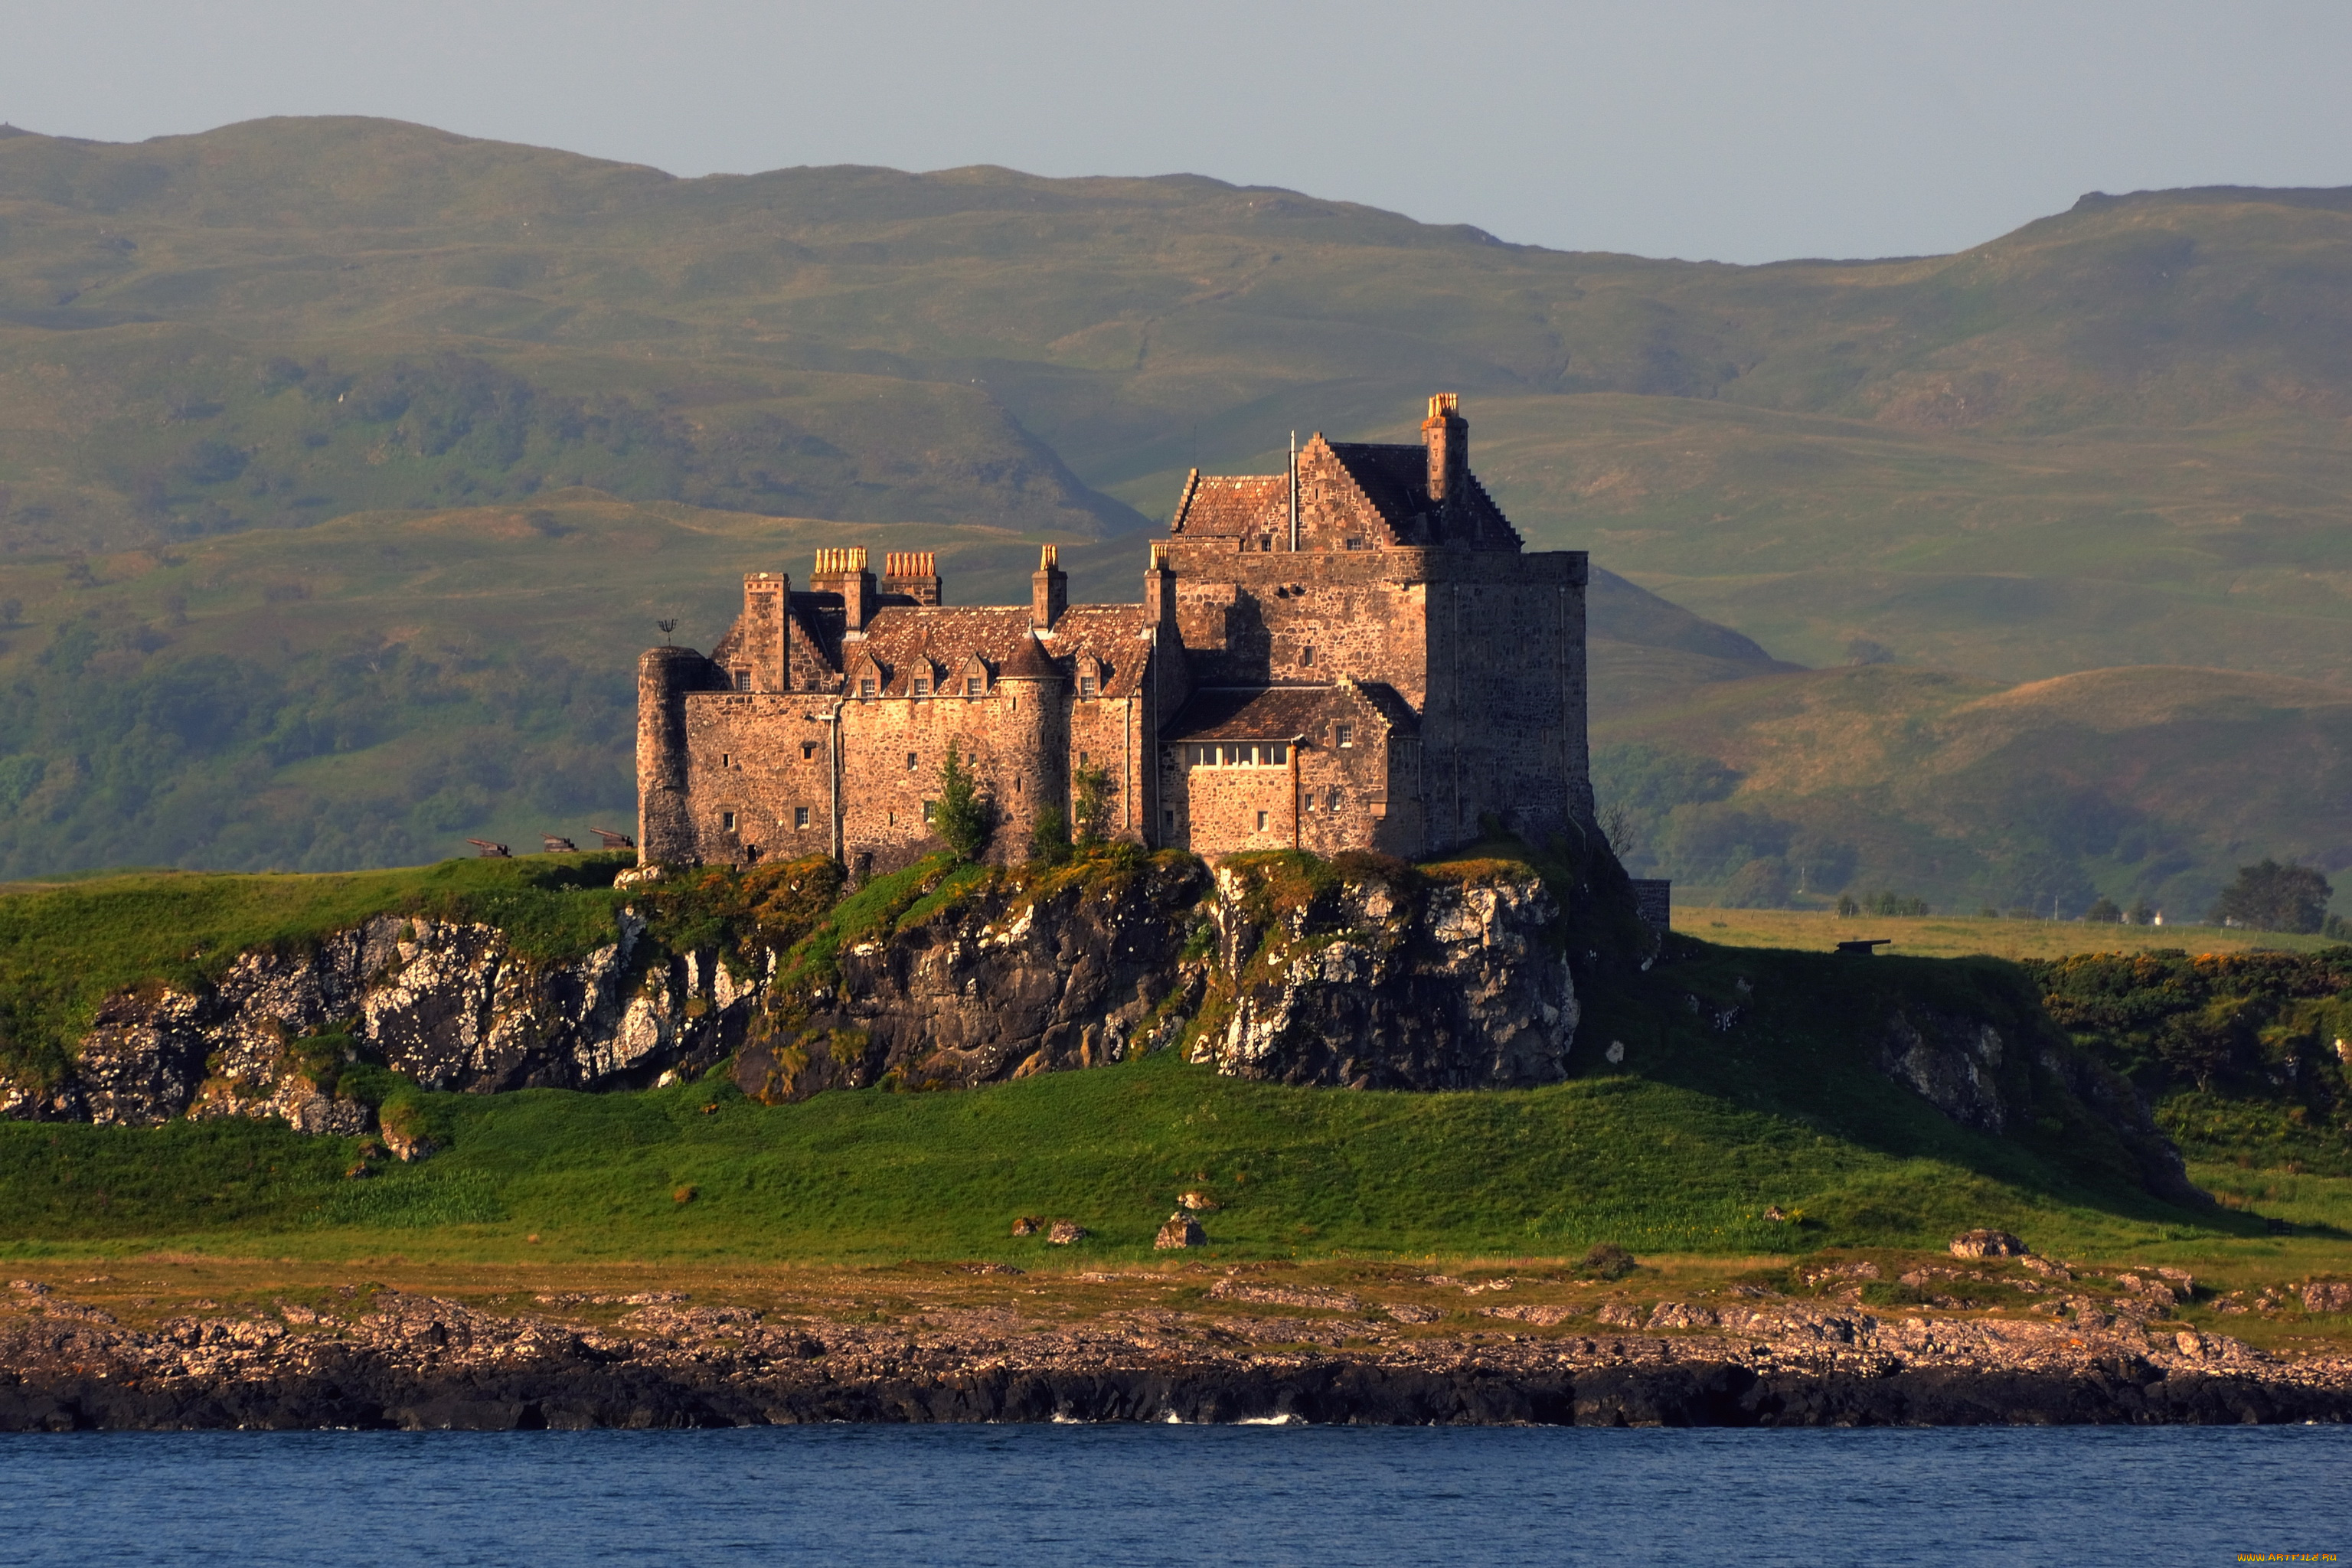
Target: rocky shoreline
x,y
389,1359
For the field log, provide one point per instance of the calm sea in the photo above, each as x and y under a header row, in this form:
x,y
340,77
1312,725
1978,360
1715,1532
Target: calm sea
x,y
1037,1495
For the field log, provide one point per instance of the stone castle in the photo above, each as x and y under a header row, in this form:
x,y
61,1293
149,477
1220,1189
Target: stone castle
x,y
1355,654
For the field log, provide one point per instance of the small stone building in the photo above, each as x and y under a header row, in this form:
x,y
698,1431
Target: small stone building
x,y
1357,653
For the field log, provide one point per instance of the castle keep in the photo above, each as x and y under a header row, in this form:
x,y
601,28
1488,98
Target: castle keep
x,y
1355,654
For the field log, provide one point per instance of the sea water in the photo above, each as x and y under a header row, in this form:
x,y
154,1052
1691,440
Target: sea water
x,y
1047,1495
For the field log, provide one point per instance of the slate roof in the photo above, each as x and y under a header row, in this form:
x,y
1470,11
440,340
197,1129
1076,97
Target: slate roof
x,y
1392,478
1281,712
950,635
1232,504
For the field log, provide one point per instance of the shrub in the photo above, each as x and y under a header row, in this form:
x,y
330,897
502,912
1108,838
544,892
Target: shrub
x,y
1607,1261
1049,836
962,818
2103,911
1091,797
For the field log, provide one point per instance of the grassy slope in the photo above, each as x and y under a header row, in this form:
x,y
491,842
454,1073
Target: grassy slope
x,y
1964,936
1679,1149
1650,1164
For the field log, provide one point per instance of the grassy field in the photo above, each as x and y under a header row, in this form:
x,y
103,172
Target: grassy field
x,y
698,1172
1957,936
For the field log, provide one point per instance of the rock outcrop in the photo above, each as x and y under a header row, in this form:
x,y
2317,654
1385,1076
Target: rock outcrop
x,y
1382,978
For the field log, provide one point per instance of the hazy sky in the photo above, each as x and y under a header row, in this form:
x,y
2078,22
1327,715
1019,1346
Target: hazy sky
x,y
1704,129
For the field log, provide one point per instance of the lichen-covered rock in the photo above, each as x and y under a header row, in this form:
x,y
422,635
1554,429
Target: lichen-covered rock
x,y
1181,1231
1951,1062
1020,974
1378,978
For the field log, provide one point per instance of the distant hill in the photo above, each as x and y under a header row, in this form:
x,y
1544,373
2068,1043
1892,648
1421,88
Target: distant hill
x,y
2116,438
2145,782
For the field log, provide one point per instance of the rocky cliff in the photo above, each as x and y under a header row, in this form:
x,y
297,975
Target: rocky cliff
x,y
1278,968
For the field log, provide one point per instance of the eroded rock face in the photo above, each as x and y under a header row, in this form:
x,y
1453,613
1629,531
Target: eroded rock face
x,y
448,1004
1950,1062
1001,984
1380,983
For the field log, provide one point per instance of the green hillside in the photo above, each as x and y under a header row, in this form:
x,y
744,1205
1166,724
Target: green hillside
x,y
2139,783
1681,1145
380,448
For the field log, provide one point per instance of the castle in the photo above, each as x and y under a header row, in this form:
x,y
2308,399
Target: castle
x,y
1355,654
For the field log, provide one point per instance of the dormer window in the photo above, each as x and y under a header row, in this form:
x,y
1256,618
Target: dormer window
x,y
922,686
1090,674
973,686
866,685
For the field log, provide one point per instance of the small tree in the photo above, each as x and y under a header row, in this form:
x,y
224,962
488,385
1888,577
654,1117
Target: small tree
x,y
961,818
2103,910
1049,836
1090,795
2271,896
2143,913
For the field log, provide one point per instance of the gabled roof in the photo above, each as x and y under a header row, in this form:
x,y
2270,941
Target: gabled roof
x,y
949,635
1387,481
1285,712
1233,503
1394,478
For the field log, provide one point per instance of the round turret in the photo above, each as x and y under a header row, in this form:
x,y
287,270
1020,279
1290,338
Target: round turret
x,y
1034,753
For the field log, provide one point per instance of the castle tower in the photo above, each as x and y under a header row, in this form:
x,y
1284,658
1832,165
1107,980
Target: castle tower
x,y
665,834
1049,590
1446,435
1034,747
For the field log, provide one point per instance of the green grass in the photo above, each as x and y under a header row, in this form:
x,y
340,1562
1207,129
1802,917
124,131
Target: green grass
x,y
65,949
1959,936
864,1175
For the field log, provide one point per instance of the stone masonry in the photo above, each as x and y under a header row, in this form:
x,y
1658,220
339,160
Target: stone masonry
x,y
1355,654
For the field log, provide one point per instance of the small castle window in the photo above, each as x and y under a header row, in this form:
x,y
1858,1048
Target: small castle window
x,y
1087,686
808,750
727,822
910,761
1168,815
1082,759
1261,822
1266,544
922,686
865,686
1278,755
1343,734
1355,545
800,816
1306,654
743,680
726,759
1335,800
928,806
972,686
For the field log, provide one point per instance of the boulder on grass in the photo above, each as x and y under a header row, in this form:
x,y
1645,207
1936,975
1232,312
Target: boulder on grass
x,y
1064,1233
1027,1224
1987,1244
1181,1231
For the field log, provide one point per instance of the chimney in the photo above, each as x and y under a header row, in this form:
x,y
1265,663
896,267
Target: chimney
x,y
1160,588
1447,435
1049,590
844,572
912,574
763,643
